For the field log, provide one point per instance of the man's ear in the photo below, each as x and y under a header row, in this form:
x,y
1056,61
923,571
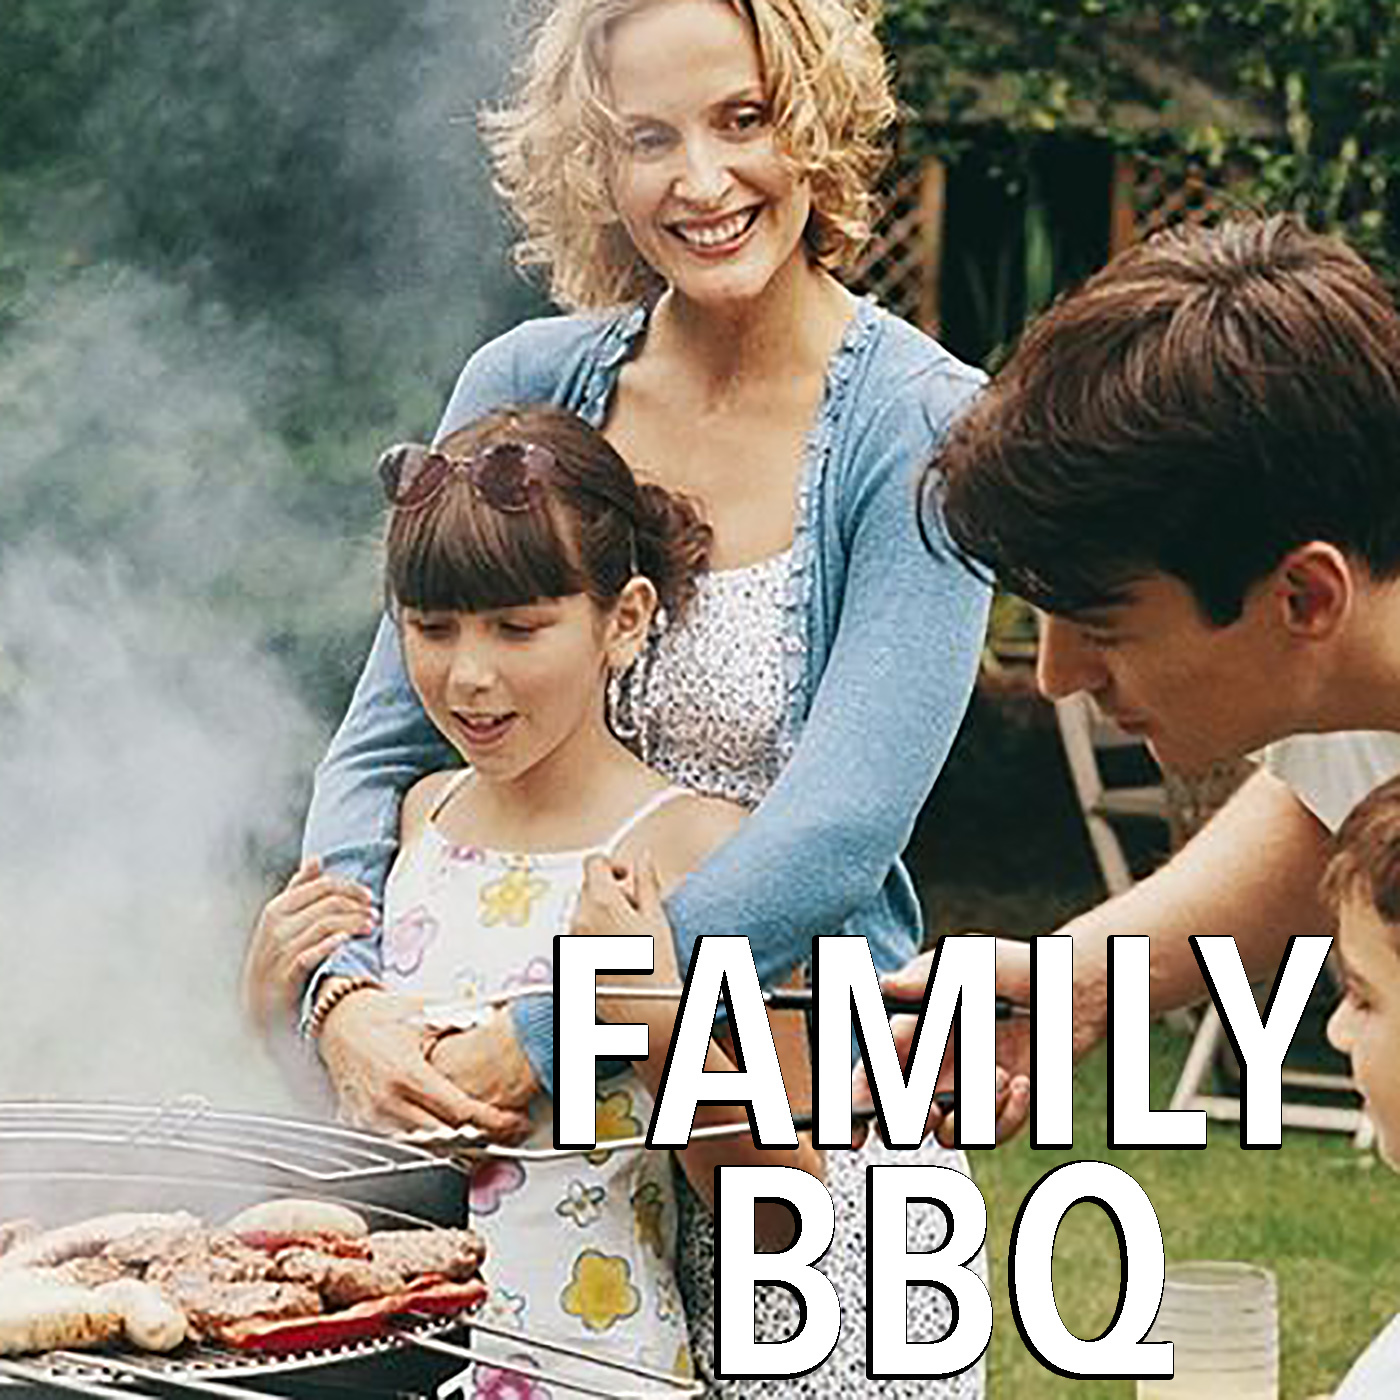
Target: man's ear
x,y
1315,585
630,621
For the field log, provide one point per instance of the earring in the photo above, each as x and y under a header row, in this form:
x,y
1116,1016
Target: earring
x,y
622,713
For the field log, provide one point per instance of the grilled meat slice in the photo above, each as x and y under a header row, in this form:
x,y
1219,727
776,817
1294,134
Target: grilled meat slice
x,y
137,1251
211,1254
340,1281
92,1271
275,1242
354,1324
453,1254
211,1305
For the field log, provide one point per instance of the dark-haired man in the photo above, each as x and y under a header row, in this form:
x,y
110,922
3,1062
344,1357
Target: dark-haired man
x,y
1192,466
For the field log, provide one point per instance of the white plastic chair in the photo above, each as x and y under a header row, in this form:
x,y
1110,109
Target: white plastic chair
x,y
1085,735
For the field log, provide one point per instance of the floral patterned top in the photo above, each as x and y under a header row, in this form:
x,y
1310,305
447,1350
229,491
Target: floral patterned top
x,y
710,696
580,1248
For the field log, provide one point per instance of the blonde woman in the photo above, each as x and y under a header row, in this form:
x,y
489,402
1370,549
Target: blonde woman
x,y
691,175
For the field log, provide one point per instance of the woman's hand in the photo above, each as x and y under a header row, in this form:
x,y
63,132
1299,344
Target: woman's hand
x,y
621,899
487,1062
297,930
372,1044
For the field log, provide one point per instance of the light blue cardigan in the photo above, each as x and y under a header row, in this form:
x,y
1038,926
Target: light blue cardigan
x,y
883,641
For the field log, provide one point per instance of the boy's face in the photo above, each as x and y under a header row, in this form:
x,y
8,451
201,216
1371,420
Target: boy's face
x,y
1366,1023
1194,692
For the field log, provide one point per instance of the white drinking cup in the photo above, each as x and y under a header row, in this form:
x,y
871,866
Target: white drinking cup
x,y
1222,1321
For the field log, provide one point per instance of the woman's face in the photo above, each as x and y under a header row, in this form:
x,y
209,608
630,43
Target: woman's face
x,y
699,183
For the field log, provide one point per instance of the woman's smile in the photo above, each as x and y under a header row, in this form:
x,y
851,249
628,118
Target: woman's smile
x,y
717,237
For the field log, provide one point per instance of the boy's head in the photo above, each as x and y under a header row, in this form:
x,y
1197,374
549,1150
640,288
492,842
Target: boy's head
x,y
1362,885
1201,445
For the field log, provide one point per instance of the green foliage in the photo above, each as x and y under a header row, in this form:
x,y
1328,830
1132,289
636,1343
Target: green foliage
x,y
1302,95
282,211
53,54
313,166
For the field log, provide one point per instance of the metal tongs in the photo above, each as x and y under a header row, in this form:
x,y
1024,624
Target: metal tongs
x,y
465,1012
469,1140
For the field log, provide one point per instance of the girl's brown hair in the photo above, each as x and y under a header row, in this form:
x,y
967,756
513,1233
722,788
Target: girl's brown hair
x,y
592,529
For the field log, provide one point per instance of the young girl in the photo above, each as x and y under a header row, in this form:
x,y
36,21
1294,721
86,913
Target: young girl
x,y
525,567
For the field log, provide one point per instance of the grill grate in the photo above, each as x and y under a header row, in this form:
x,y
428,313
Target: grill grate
x,y
186,1154
311,1152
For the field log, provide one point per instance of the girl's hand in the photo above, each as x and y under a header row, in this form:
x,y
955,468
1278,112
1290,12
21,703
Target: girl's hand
x,y
623,899
372,1045
296,932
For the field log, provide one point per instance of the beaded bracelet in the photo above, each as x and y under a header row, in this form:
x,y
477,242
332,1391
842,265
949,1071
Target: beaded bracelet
x,y
332,994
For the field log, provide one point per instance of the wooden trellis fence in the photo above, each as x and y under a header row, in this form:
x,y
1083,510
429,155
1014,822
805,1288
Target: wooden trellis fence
x,y
903,263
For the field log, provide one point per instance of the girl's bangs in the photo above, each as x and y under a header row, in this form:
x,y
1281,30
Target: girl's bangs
x,y
458,554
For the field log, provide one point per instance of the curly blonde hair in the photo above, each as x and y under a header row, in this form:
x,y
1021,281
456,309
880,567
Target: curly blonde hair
x,y
828,87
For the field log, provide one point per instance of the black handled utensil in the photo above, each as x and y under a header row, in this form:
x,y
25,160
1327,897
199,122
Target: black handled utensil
x,y
800,999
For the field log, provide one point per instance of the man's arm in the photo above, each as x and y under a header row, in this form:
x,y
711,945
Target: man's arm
x,y
1252,873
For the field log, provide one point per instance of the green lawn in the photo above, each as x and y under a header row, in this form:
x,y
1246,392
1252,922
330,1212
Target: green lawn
x,y
1317,1212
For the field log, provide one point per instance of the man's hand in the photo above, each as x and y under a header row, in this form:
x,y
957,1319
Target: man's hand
x,y
1013,1036
296,932
372,1045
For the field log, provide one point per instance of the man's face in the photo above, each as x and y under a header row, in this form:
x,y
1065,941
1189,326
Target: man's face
x,y
1194,692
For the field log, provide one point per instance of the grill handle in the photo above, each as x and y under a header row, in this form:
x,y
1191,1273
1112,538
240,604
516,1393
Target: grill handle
x,y
679,1385
469,1141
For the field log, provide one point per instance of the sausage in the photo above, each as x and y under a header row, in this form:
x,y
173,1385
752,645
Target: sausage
x,y
149,1319
292,1216
88,1237
38,1313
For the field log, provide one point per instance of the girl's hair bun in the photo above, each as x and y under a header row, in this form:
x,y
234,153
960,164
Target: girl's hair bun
x,y
673,544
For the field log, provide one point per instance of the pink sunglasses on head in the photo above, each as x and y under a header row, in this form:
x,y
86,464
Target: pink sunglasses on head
x,y
508,476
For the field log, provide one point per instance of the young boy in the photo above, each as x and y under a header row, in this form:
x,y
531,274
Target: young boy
x,y
1362,884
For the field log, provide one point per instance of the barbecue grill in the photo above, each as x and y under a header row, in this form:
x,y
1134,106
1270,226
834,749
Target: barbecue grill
x,y
65,1161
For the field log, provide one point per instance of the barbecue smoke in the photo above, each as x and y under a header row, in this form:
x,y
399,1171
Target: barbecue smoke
x,y
152,749
180,613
